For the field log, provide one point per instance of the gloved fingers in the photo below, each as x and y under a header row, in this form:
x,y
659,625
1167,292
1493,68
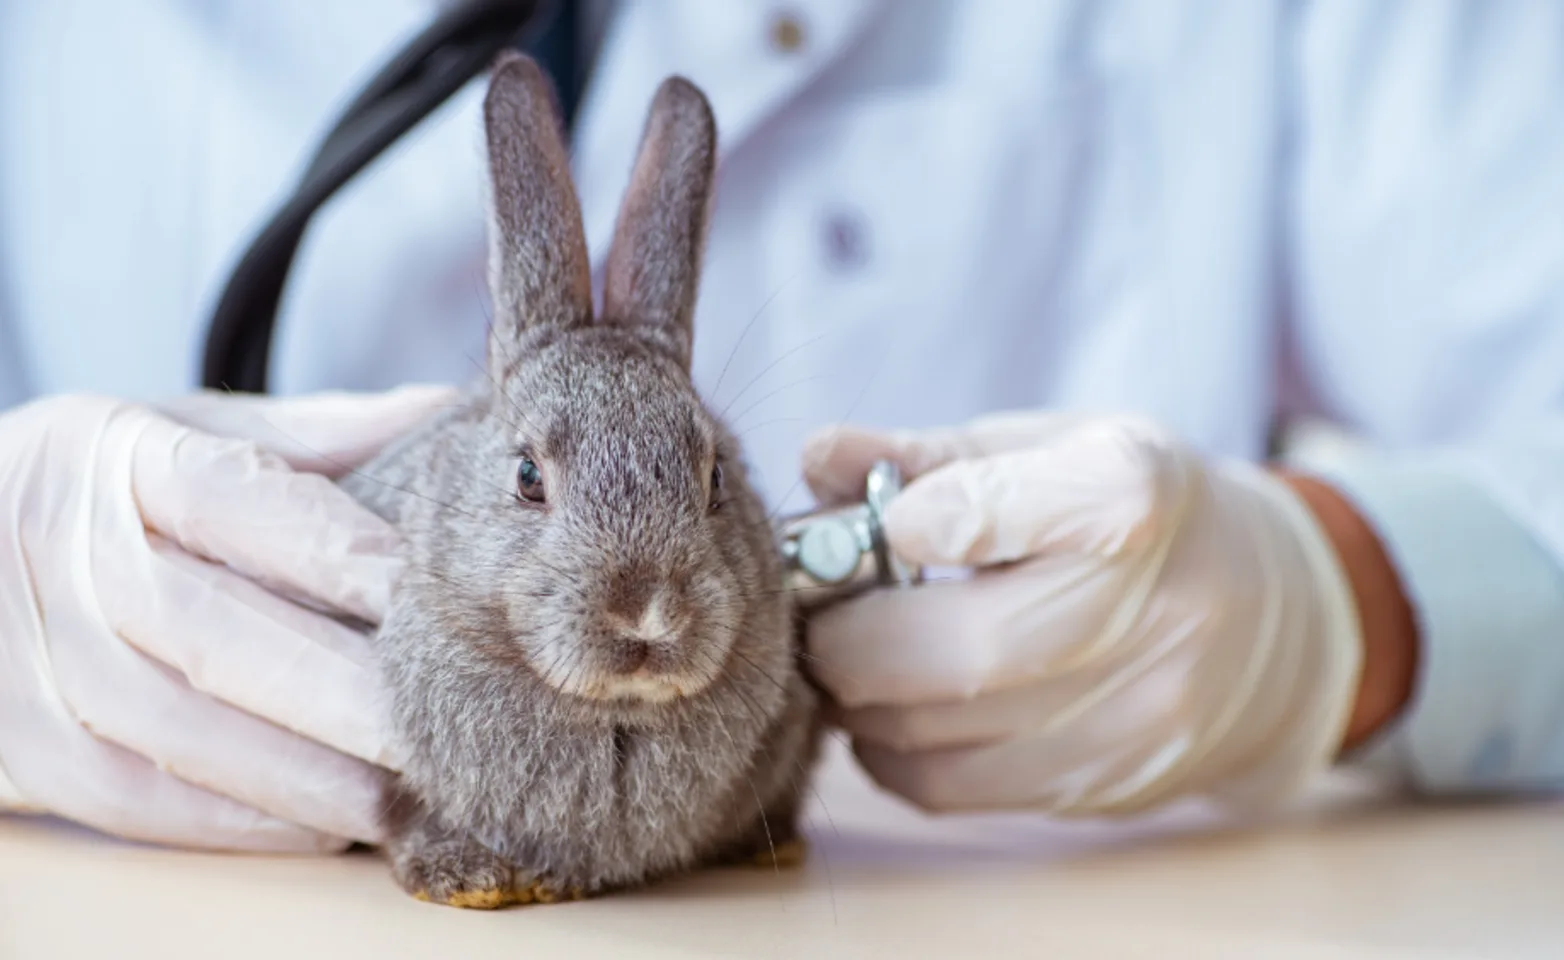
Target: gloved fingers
x,y
953,640
1115,757
237,642
71,774
11,799
329,433
991,717
151,713
129,699
837,458
229,501
55,764
992,778
1100,490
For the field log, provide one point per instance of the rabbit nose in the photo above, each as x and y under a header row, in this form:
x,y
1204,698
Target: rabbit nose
x,y
645,624
630,594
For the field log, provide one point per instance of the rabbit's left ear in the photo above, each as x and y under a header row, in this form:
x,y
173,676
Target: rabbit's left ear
x,y
539,272
654,262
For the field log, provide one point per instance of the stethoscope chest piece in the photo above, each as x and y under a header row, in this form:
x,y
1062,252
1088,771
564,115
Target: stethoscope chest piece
x,y
837,552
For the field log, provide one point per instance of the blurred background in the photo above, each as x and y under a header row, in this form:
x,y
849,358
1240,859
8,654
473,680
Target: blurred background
x,y
1251,220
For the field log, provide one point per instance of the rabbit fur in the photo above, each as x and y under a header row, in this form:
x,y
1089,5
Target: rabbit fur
x,y
602,688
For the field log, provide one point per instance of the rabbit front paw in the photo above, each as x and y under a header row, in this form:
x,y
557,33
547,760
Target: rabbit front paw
x,y
438,864
462,873
456,873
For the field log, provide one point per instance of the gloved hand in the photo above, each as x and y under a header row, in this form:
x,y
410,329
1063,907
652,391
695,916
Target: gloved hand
x,y
1140,626
154,684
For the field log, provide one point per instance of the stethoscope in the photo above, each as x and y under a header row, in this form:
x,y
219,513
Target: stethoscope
x,y
829,554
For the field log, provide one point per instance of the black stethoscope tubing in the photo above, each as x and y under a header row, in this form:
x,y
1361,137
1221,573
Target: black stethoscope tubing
x,y
428,71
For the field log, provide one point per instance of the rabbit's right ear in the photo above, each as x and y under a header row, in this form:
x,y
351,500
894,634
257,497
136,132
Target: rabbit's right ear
x,y
654,262
539,273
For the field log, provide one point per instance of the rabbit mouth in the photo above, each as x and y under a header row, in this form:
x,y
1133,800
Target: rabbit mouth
x,y
638,687
606,678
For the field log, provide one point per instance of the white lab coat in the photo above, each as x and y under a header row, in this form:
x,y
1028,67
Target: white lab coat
x,y
1206,210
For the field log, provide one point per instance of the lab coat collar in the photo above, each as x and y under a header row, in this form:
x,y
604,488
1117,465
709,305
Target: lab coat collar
x,y
724,47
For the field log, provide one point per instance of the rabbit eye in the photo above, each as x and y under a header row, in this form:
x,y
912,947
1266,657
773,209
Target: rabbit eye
x,y
716,486
529,481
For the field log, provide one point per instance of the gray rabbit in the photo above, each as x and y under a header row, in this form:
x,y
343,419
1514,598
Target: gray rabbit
x,y
591,658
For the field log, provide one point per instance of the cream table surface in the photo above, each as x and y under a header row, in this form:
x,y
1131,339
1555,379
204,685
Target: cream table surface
x,y
1352,876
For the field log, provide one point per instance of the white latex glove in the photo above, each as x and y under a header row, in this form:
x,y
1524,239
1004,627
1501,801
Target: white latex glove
x,y
1144,626
149,687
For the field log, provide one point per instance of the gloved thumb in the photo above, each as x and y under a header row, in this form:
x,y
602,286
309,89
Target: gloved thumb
x,y
837,458
1102,489
330,433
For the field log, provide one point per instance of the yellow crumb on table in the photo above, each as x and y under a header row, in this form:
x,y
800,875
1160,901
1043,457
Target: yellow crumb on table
x,y
788,854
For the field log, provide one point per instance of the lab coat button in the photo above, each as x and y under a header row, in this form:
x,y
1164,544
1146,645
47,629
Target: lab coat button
x,y
787,33
846,240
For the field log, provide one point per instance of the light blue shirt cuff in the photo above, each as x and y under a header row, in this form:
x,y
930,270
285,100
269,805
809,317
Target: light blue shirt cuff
x,y
1487,714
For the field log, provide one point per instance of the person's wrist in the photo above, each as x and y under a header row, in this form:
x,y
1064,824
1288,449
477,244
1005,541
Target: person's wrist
x,y
1388,626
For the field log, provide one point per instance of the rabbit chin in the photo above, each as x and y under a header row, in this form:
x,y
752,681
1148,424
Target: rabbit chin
x,y
647,689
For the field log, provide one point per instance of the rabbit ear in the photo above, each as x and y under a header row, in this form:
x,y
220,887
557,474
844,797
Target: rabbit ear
x,y
539,273
654,262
